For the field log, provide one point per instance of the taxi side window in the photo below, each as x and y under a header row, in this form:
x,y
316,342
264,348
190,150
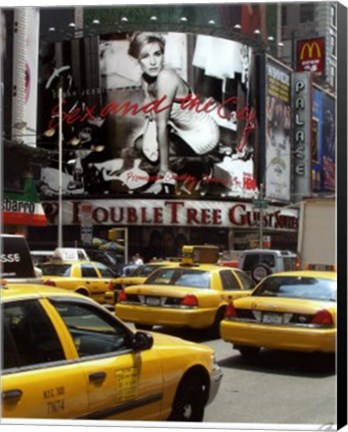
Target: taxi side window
x,y
29,336
93,331
104,271
247,282
88,270
229,281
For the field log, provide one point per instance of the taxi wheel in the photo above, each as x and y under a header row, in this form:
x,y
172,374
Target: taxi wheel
x,y
248,351
189,401
143,326
215,328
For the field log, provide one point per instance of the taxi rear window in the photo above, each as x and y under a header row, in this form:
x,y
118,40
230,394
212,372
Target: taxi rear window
x,y
56,269
180,277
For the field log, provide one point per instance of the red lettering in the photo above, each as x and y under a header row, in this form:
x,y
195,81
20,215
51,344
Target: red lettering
x,y
217,217
88,114
100,215
192,216
157,215
113,216
73,116
155,106
236,216
131,215
143,211
173,207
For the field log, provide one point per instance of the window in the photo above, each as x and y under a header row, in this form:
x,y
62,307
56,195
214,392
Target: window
x,y
306,12
332,76
93,331
105,271
56,269
88,270
284,16
333,45
333,15
247,282
29,336
229,281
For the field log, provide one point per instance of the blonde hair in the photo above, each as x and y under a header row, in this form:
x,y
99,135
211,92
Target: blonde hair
x,y
139,39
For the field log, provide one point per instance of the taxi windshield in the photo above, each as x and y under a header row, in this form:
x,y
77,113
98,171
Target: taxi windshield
x,y
298,287
180,277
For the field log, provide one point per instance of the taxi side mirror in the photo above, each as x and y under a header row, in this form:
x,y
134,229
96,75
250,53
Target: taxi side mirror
x,y
142,341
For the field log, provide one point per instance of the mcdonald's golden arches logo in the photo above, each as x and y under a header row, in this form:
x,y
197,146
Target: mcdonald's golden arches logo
x,y
311,48
311,55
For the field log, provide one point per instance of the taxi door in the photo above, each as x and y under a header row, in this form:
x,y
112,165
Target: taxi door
x,y
235,285
94,282
38,380
123,384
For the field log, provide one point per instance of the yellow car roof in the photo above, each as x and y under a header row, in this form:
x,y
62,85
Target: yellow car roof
x,y
308,273
27,291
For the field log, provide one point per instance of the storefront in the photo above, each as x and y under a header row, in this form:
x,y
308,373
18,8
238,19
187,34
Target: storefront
x,y
160,227
22,209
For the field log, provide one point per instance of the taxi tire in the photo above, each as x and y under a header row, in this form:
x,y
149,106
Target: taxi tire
x,y
248,351
189,402
143,326
215,328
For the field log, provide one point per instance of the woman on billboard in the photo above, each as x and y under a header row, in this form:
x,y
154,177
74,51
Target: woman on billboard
x,y
177,130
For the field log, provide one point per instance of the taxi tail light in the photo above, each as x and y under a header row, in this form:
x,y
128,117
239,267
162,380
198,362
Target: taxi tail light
x,y
110,286
122,296
50,282
230,311
322,317
189,300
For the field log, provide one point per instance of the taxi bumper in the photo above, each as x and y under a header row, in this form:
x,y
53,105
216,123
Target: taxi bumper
x,y
172,317
215,381
308,339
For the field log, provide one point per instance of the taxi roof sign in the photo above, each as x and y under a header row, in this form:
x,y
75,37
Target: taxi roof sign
x,y
70,254
200,254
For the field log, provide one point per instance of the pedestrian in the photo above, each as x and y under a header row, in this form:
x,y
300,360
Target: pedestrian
x,y
138,260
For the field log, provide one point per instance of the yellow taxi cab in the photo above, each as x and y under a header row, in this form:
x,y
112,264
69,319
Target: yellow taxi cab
x,y
138,274
293,310
67,357
89,278
186,294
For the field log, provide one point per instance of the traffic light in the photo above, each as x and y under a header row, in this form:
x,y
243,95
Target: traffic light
x,y
114,234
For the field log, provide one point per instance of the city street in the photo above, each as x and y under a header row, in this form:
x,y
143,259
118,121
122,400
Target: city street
x,y
275,387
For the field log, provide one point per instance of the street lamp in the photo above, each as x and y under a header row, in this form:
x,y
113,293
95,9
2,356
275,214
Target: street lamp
x,y
60,169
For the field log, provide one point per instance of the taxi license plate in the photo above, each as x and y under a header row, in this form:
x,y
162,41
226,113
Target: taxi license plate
x,y
153,301
271,318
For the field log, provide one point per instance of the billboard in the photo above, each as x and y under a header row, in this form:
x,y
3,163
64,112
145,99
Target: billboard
x,y
324,132
311,55
278,128
150,113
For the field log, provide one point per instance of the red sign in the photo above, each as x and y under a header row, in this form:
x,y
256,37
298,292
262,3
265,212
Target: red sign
x,y
311,55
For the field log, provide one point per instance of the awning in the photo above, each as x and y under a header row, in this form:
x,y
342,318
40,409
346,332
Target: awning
x,y
23,208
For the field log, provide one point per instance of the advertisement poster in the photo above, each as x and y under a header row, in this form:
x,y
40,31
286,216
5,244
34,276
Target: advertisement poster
x,y
157,113
324,134
329,142
278,128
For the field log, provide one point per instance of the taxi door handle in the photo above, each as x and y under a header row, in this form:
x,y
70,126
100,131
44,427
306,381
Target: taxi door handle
x,y
97,376
11,394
